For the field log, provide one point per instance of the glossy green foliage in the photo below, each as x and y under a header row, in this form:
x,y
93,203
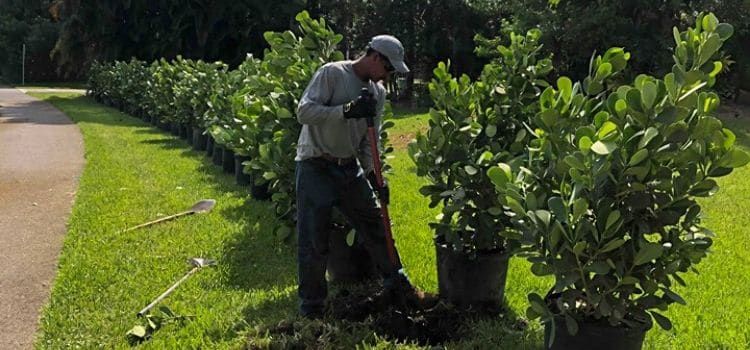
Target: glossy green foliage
x,y
474,126
609,204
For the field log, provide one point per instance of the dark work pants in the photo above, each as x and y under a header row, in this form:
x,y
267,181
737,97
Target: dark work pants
x,y
321,186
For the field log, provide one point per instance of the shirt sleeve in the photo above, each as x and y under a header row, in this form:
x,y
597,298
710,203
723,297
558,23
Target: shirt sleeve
x,y
365,151
313,107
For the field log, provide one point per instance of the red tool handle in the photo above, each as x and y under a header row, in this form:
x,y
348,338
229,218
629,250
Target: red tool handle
x,y
373,136
379,179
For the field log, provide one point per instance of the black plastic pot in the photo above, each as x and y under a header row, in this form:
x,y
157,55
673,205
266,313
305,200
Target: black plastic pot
x,y
260,192
199,139
174,128
218,154
594,336
164,126
348,264
186,133
209,145
240,177
227,161
471,282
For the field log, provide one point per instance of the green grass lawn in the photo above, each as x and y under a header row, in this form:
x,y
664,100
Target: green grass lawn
x,y
135,173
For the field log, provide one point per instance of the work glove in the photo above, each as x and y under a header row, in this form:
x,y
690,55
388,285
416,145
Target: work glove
x,y
384,193
361,107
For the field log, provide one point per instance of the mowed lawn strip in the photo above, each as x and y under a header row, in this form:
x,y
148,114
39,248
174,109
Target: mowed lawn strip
x,y
136,173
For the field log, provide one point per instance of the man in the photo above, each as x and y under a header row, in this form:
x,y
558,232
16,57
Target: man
x,y
333,139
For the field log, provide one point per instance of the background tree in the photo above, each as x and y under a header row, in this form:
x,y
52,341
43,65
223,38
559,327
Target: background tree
x,y
26,22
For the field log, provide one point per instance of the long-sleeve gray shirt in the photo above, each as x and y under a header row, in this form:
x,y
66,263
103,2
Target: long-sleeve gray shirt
x,y
320,111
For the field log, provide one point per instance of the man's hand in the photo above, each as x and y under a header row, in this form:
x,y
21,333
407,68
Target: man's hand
x,y
384,193
361,107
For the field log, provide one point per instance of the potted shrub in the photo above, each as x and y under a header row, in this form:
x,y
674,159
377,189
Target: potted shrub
x,y
473,126
606,195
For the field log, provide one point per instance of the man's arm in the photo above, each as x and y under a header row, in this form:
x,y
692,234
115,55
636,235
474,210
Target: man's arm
x,y
313,106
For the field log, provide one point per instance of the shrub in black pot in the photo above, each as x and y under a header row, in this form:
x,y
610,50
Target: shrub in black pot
x,y
473,127
607,198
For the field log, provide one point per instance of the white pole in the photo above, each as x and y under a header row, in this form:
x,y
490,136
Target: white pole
x,y
23,65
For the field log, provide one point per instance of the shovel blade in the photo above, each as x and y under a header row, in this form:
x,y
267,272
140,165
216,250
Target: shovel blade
x,y
203,206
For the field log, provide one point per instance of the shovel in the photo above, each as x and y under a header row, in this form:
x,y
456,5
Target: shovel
x,y
197,264
202,206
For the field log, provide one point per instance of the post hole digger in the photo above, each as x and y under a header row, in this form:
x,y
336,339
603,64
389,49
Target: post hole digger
x,y
418,299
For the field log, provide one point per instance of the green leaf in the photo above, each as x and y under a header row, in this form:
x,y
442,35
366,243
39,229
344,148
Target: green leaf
x,y
621,107
634,100
612,219
571,324
495,211
663,322
500,174
603,71
649,95
600,267
565,87
612,245
674,296
606,129
710,22
579,248
603,148
537,303
580,206
650,251
649,135
734,159
729,138
470,170
350,237
672,89
557,207
584,144
490,130
574,162
672,114
544,216
283,113
638,157
725,30
514,205
541,269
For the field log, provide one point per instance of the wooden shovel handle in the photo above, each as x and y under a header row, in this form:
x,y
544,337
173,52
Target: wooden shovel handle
x,y
160,220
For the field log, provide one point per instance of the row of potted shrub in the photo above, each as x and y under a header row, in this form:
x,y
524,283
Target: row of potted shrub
x,y
248,111
594,182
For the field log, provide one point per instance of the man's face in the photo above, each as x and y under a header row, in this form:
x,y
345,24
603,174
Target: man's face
x,y
384,67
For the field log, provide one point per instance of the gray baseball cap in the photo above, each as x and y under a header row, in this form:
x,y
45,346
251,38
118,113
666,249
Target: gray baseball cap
x,y
390,47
